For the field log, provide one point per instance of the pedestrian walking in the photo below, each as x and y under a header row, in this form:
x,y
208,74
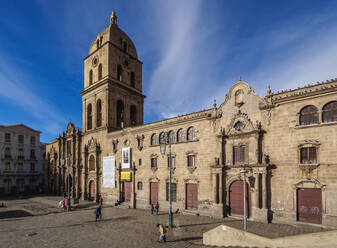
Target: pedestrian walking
x,y
162,233
157,208
100,200
65,203
152,208
98,213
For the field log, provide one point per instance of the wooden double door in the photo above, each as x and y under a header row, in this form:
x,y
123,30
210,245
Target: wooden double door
x,y
309,205
154,190
127,189
192,196
236,198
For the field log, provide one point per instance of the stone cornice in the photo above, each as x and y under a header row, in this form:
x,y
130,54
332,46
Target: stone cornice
x,y
329,86
162,124
111,81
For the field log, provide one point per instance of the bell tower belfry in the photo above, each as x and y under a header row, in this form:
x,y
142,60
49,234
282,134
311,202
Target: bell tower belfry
x,y
112,97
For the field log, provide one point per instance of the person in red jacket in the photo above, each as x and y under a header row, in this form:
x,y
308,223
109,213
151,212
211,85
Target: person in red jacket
x,y
100,200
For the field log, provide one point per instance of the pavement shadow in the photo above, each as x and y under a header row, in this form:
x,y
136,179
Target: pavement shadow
x,y
14,214
202,224
113,219
185,239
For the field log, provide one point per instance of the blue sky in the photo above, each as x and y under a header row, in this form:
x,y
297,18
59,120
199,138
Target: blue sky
x,y
193,51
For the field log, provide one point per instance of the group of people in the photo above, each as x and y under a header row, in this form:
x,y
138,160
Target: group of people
x,y
154,207
161,228
98,215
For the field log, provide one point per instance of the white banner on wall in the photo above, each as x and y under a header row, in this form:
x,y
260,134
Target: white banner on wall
x,y
126,158
109,172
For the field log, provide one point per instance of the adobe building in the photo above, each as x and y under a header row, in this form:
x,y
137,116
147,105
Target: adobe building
x,y
283,145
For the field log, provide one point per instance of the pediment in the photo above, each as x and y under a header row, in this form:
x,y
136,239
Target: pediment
x,y
237,87
92,145
240,123
70,128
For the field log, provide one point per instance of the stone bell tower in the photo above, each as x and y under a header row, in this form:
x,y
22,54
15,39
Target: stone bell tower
x,y
112,96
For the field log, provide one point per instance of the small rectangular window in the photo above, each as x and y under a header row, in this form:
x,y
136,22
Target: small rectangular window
x,y
308,155
8,152
139,185
173,192
140,161
7,137
239,154
191,161
20,166
20,139
32,154
32,140
153,162
7,166
20,153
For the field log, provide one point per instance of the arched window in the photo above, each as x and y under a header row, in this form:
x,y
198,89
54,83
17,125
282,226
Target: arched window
x,y
181,135
90,77
162,138
133,115
99,113
191,134
330,112
132,79
89,117
119,73
308,115
172,136
154,139
120,114
139,185
92,163
100,72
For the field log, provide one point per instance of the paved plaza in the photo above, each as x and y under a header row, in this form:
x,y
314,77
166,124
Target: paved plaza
x,y
39,222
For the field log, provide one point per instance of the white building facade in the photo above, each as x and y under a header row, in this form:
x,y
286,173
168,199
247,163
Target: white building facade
x,y
21,160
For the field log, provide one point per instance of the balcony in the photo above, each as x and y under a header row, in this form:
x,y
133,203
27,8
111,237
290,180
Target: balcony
x,y
7,157
33,158
19,172
21,157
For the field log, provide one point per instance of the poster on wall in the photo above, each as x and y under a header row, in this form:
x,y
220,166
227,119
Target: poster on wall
x,y
109,172
126,158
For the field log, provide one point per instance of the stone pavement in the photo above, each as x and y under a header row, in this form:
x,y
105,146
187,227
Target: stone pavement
x,y
38,222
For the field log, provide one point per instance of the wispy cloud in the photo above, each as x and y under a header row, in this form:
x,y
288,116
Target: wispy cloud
x,y
15,87
183,74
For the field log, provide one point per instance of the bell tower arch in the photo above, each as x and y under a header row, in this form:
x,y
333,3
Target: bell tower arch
x,y
112,82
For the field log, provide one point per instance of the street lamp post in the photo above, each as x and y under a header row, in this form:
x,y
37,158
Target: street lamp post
x,y
244,171
68,202
163,143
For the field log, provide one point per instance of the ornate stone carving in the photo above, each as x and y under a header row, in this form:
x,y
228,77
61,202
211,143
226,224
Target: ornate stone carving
x,y
114,145
140,140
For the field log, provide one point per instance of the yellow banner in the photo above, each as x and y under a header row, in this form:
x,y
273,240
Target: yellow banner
x,y
125,175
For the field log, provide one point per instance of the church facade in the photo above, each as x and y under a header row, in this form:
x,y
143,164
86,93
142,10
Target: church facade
x,y
280,149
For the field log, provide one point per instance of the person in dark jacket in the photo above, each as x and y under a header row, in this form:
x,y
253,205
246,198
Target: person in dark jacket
x,y
152,208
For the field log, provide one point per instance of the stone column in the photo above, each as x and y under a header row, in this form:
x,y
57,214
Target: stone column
x,y
264,190
220,188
